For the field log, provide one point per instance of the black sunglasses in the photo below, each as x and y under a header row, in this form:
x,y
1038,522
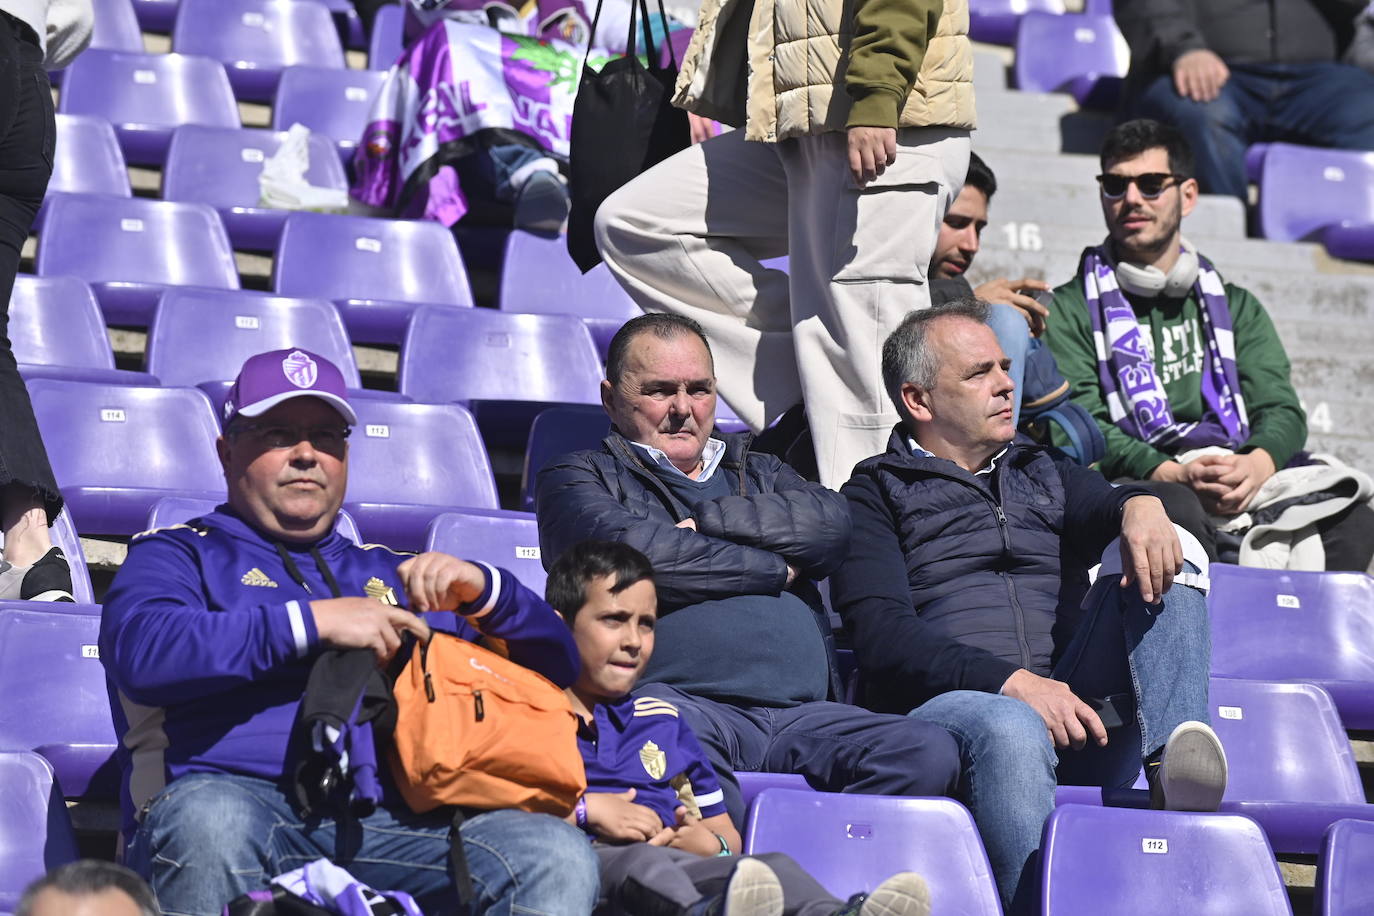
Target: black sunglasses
x,y
1151,184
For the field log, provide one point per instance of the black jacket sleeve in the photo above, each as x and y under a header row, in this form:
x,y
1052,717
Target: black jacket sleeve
x,y
1092,508
574,502
905,659
1158,31
804,522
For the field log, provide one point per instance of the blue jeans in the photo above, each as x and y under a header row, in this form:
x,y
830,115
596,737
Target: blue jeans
x,y
1013,334
1318,104
837,747
208,838
1160,654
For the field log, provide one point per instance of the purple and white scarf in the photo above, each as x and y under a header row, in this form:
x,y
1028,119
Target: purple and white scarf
x,y
1135,396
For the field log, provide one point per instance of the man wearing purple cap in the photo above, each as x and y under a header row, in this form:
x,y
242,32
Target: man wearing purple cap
x,y
208,637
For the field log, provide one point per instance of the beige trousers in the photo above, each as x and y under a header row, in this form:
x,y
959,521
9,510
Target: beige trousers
x,y
688,237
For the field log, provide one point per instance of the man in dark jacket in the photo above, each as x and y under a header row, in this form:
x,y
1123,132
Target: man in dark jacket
x,y
962,590
735,538
1233,73
209,635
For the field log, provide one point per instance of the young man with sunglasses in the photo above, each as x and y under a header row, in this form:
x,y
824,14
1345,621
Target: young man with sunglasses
x,y
209,637
1171,360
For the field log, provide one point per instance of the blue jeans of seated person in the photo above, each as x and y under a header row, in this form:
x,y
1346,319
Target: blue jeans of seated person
x,y
208,838
1161,654
1013,334
837,747
1319,104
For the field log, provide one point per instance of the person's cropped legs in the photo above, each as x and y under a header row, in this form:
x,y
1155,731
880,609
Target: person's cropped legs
x,y
531,864
1218,131
1160,654
1013,335
687,237
28,492
1325,104
858,261
1008,781
1185,510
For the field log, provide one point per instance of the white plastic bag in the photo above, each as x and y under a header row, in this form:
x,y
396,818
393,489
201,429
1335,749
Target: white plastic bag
x,y
283,186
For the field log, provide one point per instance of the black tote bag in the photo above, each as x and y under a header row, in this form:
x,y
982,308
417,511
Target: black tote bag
x,y
623,123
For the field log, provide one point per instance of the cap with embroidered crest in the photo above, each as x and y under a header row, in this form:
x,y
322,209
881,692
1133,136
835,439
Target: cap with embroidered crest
x,y
272,378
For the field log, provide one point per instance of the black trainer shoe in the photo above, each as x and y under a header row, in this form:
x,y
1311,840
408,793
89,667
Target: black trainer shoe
x,y
48,579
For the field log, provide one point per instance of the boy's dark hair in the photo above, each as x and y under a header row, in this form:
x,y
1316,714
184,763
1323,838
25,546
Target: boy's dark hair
x,y
1132,138
980,176
662,325
566,589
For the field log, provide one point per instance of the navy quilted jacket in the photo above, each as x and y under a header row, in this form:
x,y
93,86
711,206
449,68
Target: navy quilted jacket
x,y
955,580
774,518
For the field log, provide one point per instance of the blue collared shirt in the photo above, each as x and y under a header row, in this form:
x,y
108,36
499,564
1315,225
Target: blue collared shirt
x,y
923,453
711,455
643,744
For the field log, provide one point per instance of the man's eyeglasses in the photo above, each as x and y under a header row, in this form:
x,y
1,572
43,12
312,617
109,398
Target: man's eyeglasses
x,y
1151,184
321,438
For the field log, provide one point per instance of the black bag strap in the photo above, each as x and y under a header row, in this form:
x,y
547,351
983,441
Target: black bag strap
x,y
641,7
458,861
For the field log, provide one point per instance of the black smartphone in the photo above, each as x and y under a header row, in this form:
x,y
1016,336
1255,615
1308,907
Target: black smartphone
x,y
1115,710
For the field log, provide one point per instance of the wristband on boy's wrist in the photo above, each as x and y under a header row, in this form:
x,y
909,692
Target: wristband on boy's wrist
x,y
724,847
580,812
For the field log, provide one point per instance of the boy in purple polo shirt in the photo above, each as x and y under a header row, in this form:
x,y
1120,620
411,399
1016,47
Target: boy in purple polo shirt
x,y
653,805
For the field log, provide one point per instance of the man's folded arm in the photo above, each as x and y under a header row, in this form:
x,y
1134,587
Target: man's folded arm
x,y
805,522
161,644
894,645
574,505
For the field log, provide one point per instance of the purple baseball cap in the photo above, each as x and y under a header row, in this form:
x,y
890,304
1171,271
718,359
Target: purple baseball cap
x,y
272,378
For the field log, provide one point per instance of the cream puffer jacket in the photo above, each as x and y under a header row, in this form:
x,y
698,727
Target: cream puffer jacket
x,y
778,69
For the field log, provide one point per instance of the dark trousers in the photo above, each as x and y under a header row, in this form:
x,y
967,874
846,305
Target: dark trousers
x,y
837,747
670,880
26,148
1318,104
1347,537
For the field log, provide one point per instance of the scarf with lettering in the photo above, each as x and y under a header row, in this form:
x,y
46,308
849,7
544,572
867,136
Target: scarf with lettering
x,y
1135,396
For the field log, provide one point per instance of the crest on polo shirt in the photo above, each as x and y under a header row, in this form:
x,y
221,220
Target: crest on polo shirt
x,y
654,760
376,588
300,370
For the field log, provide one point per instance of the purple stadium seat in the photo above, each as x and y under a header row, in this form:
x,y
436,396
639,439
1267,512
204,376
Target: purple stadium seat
x,y
1118,861
87,158
1079,54
56,331
1350,239
1304,190
388,41
348,23
201,335
118,449
1254,161
410,462
255,39
129,250
220,166
176,510
377,271
156,15
56,702
334,103
506,367
1291,765
1277,625
509,540
36,834
851,843
558,431
1343,872
145,96
751,784
996,21
538,276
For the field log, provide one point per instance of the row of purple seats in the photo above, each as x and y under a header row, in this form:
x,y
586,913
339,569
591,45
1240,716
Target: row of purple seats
x,y
1323,195
162,15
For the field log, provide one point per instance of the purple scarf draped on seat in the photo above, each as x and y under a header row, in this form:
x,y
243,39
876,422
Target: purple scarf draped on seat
x,y
1135,397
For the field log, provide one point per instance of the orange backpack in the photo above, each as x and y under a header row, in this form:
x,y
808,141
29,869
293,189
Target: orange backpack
x,y
476,730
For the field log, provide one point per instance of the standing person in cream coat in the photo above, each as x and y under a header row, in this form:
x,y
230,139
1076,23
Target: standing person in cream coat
x,y
855,122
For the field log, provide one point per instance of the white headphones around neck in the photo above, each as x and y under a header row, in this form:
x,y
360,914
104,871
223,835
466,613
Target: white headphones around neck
x,y
1149,281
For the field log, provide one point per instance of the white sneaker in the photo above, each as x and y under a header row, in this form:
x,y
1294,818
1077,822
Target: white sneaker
x,y
753,890
1192,772
904,894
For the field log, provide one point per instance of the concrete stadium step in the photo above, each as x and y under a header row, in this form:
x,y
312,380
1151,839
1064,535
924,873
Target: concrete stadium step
x,y
989,73
1079,204
1015,166
1038,121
